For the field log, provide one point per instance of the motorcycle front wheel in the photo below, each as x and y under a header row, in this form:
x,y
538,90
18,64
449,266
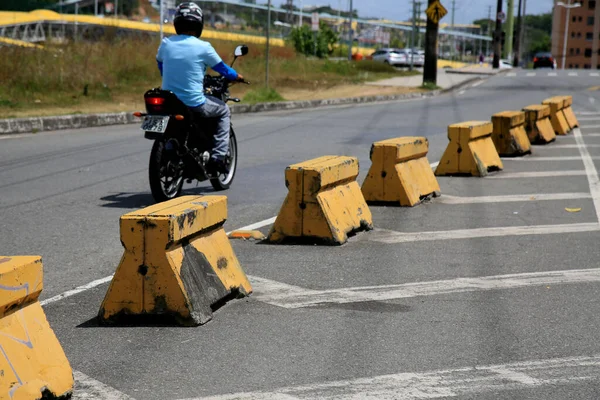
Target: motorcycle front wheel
x,y
223,181
165,173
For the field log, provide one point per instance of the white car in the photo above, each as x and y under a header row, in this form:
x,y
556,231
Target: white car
x,y
504,64
390,56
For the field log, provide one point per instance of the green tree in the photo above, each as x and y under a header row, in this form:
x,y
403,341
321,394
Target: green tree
x,y
303,40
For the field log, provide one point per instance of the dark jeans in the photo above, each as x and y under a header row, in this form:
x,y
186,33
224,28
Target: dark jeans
x,y
215,108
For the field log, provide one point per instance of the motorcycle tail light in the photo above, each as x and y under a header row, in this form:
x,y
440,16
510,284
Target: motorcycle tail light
x,y
155,101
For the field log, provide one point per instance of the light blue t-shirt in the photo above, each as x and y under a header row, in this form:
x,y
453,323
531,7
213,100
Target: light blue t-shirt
x,y
184,61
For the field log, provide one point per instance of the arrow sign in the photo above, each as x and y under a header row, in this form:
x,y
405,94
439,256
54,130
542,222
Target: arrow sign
x,y
436,11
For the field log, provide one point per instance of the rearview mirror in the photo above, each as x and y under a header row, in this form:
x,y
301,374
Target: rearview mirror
x,y
241,51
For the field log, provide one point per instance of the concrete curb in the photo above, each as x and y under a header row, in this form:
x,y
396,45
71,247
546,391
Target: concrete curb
x,y
40,124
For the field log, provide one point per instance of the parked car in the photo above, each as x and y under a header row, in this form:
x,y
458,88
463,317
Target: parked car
x,y
390,56
541,60
418,56
505,64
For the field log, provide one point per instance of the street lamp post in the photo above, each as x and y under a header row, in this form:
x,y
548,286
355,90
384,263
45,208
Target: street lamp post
x,y
568,7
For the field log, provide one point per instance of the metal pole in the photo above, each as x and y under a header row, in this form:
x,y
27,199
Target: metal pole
x,y
116,7
350,34
510,24
564,53
76,23
161,19
300,16
268,39
412,36
489,25
452,28
96,7
518,36
497,34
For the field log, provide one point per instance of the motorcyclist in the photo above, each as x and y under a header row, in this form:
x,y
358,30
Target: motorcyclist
x,y
182,61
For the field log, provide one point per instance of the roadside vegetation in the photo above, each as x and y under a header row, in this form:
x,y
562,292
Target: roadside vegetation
x,y
113,75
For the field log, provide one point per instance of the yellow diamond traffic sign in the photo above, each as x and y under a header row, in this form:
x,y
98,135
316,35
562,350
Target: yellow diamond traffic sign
x,y
436,11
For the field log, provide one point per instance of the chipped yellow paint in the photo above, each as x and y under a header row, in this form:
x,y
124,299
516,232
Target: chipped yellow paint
x,y
509,134
400,172
471,150
324,201
32,359
537,124
557,116
149,277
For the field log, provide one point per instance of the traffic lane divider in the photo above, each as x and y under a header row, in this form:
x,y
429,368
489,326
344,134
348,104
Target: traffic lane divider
x,y
178,261
400,172
324,202
537,124
33,363
470,150
557,117
568,112
509,134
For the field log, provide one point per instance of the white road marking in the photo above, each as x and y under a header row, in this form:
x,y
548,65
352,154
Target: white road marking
x,y
467,381
106,279
77,290
552,74
511,74
291,297
573,74
446,199
551,158
591,135
588,113
461,92
477,84
594,74
530,74
539,174
590,169
590,127
589,119
570,146
393,237
435,164
87,388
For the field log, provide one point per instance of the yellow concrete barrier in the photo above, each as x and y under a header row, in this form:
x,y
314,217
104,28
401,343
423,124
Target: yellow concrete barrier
x,y
557,117
568,112
537,124
509,134
32,362
178,261
324,202
400,172
471,150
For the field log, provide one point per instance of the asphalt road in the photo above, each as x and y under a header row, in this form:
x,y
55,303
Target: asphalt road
x,y
532,334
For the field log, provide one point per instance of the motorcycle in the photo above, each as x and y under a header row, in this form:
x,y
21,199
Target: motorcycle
x,y
182,144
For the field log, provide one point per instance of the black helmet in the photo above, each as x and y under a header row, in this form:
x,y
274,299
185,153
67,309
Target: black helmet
x,y
189,18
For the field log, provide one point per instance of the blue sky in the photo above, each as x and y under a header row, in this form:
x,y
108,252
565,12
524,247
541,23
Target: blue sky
x,y
466,10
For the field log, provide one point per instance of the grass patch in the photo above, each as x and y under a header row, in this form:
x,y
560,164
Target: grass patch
x,y
263,95
430,86
113,75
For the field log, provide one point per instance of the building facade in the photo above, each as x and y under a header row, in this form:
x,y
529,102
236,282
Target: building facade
x,y
582,34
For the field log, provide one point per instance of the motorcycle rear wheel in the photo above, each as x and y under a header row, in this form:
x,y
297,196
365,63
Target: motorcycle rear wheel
x,y
223,181
165,174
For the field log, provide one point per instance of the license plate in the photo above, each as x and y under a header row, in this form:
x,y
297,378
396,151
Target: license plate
x,y
154,123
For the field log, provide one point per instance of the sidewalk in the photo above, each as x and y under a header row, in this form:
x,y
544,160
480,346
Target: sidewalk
x,y
444,80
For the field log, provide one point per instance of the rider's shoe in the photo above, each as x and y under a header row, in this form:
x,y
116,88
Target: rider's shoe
x,y
216,167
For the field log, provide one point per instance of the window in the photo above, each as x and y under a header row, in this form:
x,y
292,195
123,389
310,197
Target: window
x,y
588,53
589,36
572,34
578,34
572,51
592,4
580,19
587,66
574,19
570,66
576,66
590,21
577,51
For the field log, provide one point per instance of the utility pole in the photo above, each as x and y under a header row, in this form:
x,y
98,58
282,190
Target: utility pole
x,y
412,34
418,28
452,27
489,25
350,34
497,36
510,25
518,37
96,8
431,39
161,19
267,49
